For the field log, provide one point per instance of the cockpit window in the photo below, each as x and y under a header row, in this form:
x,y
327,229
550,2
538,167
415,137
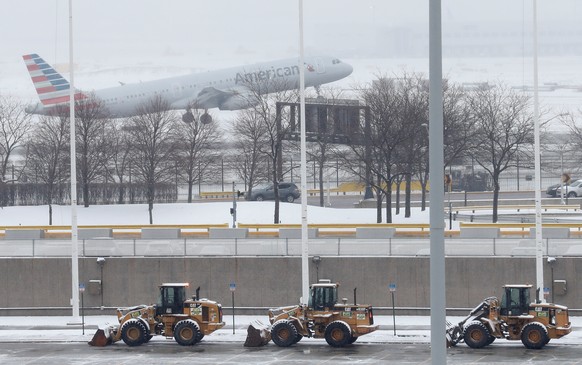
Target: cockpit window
x,y
335,61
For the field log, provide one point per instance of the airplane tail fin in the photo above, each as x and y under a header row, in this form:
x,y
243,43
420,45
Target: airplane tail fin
x,y
51,87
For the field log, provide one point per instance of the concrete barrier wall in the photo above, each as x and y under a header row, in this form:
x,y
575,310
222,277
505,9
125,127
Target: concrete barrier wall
x,y
272,282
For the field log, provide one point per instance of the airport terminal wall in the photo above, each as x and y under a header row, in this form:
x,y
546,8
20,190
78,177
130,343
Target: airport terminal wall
x,y
43,285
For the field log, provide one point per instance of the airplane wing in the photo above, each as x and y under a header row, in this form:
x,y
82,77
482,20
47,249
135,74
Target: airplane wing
x,y
211,97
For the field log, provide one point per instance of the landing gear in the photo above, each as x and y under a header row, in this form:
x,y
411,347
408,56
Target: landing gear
x,y
189,118
205,118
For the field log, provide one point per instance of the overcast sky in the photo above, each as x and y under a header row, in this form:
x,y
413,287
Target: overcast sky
x,y
111,28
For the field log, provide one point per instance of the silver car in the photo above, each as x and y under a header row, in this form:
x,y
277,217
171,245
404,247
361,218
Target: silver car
x,y
288,192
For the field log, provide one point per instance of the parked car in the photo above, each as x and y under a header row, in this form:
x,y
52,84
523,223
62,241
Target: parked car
x,y
551,190
572,191
288,192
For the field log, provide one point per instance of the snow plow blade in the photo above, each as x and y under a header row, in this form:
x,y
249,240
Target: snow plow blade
x,y
258,335
453,334
102,337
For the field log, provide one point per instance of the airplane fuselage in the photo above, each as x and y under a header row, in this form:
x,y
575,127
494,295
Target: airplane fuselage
x,y
226,89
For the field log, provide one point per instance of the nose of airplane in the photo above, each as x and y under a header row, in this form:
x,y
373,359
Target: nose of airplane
x,y
348,69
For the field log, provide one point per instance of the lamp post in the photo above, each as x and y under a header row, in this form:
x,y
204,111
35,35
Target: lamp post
x,y
101,263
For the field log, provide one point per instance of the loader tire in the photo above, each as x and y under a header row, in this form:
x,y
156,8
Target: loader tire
x,y
338,334
133,332
199,337
476,335
353,339
186,332
534,336
298,338
284,333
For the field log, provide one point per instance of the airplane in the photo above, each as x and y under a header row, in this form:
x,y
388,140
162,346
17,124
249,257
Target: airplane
x,y
226,89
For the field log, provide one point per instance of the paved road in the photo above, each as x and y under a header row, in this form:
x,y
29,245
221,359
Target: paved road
x,y
167,352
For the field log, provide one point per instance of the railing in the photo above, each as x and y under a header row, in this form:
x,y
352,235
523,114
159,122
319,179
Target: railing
x,y
118,230
517,208
186,247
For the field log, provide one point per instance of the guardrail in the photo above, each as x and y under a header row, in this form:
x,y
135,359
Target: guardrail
x,y
196,247
119,230
272,230
337,229
518,208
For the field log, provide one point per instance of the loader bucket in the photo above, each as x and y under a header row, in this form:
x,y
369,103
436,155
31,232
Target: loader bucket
x,y
258,335
453,334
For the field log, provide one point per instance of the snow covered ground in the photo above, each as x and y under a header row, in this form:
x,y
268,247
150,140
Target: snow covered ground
x,y
195,213
409,329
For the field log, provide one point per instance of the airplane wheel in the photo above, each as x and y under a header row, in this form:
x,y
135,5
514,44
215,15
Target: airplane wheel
x,y
205,118
188,117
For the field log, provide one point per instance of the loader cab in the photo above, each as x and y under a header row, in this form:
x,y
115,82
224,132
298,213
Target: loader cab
x,y
322,296
171,298
515,301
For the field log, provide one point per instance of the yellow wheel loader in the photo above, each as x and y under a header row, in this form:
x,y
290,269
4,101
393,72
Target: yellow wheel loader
x,y
187,320
339,323
513,318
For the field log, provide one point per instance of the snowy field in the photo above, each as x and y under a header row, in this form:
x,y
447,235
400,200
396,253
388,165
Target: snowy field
x,y
195,213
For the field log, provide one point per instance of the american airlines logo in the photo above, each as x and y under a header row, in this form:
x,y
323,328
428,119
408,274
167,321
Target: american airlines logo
x,y
271,74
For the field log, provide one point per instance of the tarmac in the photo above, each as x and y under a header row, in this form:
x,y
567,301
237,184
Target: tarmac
x,y
398,329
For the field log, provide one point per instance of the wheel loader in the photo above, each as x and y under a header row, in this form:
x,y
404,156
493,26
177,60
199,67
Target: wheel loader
x,y
513,318
187,320
339,323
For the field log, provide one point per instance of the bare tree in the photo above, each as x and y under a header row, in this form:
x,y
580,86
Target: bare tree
x,y
121,143
262,96
324,145
94,142
504,128
15,125
196,149
48,154
248,161
152,145
388,131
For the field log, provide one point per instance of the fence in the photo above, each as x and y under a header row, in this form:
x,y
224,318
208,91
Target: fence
x,y
193,247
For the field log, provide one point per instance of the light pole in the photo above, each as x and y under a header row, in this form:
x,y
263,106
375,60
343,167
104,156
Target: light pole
x,y
436,161
74,228
101,263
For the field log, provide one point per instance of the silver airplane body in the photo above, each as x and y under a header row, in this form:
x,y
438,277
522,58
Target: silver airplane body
x,y
226,89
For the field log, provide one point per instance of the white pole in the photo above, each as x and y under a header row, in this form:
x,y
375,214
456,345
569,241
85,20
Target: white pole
x,y
304,236
437,193
74,233
537,163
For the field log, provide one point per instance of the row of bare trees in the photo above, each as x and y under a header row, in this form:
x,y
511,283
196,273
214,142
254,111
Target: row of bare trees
x,y
491,125
152,148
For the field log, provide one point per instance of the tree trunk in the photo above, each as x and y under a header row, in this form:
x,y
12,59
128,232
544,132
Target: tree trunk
x,y
85,194
389,205
495,197
407,209
190,183
379,198
398,181
276,219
